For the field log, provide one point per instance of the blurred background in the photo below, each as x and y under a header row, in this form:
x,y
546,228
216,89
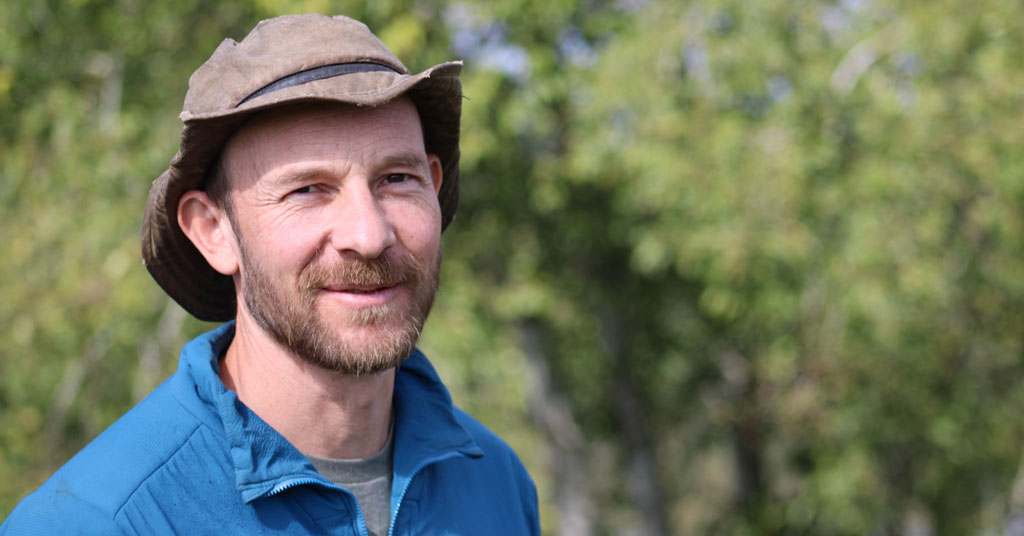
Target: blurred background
x,y
720,267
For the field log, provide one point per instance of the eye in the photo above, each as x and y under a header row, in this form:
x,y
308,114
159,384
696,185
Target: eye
x,y
394,178
308,189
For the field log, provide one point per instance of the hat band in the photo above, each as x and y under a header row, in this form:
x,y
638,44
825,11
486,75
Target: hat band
x,y
318,73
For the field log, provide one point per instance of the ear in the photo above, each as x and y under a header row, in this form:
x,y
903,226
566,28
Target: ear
x,y
435,171
209,228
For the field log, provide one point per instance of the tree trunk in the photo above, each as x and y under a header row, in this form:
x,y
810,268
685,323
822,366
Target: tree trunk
x,y
740,389
641,468
549,408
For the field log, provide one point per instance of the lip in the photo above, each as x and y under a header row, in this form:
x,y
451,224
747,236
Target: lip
x,y
362,296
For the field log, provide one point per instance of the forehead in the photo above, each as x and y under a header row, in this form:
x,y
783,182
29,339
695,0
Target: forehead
x,y
317,131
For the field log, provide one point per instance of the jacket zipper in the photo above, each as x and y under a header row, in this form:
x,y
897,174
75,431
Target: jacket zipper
x,y
288,484
416,471
304,481
362,524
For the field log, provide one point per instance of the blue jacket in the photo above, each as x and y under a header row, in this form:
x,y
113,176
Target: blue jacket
x,y
192,459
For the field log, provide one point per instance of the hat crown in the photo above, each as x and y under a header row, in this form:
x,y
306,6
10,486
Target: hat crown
x,y
276,48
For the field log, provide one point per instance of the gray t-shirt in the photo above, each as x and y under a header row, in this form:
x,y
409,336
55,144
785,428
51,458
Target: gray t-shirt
x,y
369,479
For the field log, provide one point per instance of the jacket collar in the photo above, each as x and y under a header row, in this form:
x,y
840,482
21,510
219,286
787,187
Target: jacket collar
x,y
426,429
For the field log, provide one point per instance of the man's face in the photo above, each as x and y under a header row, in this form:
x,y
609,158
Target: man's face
x,y
338,227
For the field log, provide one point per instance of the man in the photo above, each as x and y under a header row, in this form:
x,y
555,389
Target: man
x,y
304,207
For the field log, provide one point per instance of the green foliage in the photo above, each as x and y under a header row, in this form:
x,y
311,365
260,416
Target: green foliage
x,y
773,247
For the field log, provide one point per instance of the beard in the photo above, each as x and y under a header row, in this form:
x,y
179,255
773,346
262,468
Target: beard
x,y
292,319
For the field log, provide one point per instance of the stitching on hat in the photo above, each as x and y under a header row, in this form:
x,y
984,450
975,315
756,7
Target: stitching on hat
x,y
318,73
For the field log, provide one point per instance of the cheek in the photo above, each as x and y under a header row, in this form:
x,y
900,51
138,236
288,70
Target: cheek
x,y
420,230
287,246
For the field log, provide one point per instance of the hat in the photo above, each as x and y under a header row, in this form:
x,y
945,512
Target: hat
x,y
286,60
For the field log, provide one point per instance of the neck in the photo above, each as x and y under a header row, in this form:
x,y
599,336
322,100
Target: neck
x,y
320,412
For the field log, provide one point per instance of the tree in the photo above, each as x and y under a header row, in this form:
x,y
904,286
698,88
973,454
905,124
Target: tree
x,y
719,267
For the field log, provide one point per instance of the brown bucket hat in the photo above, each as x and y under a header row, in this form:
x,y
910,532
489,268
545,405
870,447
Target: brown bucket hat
x,y
290,59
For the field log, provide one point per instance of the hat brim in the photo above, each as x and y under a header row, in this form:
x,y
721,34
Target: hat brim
x,y
174,261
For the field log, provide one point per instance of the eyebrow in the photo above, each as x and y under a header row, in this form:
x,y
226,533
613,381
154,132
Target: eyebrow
x,y
289,178
409,159
401,159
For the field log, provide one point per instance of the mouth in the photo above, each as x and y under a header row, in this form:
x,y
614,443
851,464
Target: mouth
x,y
360,289
362,295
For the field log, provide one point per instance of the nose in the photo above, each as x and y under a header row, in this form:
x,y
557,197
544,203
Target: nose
x,y
360,225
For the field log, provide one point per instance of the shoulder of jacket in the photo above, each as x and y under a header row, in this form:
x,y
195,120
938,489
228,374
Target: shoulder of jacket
x,y
95,483
57,510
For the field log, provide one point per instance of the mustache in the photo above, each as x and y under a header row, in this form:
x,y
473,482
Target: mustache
x,y
384,271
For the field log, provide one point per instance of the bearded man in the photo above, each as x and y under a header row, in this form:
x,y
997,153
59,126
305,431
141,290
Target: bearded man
x,y
304,208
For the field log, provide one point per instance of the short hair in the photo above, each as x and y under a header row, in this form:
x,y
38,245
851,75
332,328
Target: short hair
x,y
216,184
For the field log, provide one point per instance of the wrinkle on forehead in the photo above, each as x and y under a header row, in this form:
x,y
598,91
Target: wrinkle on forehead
x,y
285,131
